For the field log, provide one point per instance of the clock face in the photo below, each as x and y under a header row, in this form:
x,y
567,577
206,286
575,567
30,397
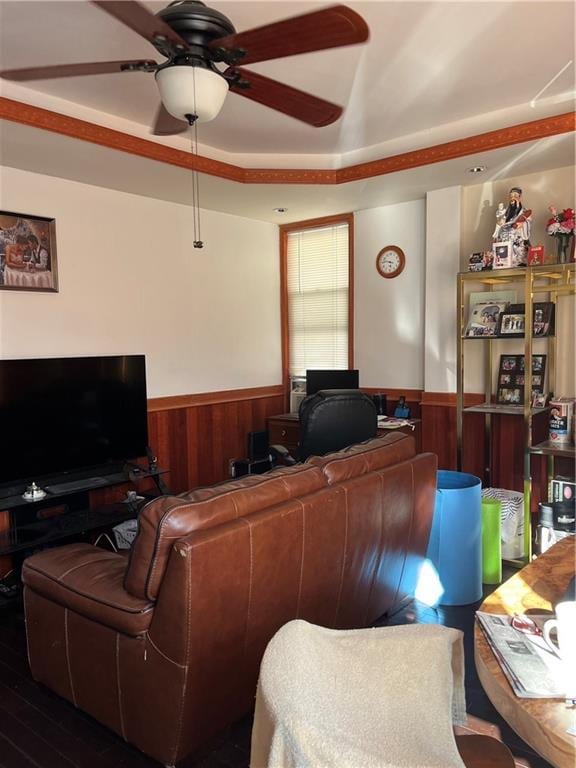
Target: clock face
x,y
390,261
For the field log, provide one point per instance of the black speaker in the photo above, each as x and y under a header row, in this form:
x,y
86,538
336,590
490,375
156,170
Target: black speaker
x,y
258,445
380,403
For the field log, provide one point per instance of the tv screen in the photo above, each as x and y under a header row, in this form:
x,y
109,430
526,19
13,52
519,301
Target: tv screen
x,y
58,415
336,379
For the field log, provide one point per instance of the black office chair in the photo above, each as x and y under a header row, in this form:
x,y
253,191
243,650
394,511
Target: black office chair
x,y
330,420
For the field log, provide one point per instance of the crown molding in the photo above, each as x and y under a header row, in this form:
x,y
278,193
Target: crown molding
x,y
482,142
37,117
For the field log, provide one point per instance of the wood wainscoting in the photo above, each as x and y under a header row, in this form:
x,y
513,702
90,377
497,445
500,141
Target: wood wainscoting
x,y
195,436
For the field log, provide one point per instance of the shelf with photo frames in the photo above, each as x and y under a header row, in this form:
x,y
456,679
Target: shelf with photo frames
x,y
525,292
503,319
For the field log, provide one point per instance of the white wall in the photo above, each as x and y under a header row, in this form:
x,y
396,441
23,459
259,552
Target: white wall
x,y
442,264
389,313
131,282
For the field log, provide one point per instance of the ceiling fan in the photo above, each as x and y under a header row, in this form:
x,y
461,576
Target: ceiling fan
x,y
195,38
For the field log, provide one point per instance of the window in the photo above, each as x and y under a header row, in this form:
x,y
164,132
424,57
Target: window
x,y
317,289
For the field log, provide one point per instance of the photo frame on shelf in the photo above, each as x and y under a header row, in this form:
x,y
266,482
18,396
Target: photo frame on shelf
x,y
502,255
484,318
512,378
512,320
539,399
535,255
544,316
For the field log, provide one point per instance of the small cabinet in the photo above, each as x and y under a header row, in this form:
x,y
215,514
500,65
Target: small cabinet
x,y
284,429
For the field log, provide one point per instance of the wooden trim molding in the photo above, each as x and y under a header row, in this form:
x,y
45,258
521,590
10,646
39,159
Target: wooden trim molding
x,y
37,117
482,142
26,114
351,315
213,398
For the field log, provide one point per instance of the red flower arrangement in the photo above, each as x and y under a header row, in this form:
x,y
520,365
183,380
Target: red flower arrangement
x,y
561,223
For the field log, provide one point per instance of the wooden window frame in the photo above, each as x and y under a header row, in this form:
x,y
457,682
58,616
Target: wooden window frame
x,y
298,226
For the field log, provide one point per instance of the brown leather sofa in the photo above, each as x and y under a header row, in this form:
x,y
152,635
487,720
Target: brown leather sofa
x,y
165,648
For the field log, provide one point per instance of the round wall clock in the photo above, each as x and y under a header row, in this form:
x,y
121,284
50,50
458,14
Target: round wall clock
x,y
390,261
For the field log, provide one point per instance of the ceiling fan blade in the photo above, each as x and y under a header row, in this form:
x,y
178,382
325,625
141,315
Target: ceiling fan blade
x,y
316,31
167,125
139,19
76,70
283,98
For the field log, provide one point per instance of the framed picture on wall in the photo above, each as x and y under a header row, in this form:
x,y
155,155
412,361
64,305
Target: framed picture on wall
x,y
27,253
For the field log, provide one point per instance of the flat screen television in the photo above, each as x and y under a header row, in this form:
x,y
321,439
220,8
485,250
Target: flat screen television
x,y
60,415
331,379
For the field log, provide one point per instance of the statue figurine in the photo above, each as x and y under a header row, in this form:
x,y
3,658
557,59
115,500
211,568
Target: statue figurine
x,y
515,227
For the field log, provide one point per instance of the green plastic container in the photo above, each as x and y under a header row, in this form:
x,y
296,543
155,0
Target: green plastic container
x,y
491,542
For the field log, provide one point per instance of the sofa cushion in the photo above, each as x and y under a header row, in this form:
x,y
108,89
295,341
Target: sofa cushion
x,y
165,520
88,580
365,457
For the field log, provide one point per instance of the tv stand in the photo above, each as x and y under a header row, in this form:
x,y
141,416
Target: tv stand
x,y
68,509
76,485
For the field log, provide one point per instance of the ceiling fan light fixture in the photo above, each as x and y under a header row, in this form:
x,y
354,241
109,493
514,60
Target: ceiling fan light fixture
x,y
191,90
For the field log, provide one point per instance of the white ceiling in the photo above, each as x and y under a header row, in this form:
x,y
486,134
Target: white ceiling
x,y
431,72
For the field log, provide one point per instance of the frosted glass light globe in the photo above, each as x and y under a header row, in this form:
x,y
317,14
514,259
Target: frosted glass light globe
x,y
188,90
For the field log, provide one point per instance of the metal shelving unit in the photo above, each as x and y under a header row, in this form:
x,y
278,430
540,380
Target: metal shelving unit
x,y
551,281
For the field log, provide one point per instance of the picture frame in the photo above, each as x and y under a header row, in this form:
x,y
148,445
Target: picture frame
x,y
539,399
535,255
512,320
484,318
502,255
511,324
28,260
511,379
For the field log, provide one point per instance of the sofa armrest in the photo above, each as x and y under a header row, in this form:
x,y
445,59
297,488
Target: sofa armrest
x,y
89,581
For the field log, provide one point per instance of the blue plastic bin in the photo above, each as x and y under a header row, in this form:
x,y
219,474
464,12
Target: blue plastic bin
x,y
455,546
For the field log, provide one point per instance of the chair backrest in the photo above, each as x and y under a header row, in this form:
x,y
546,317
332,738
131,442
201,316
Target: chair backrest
x,y
333,419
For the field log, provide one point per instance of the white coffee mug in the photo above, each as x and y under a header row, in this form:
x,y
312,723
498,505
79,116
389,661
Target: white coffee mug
x,y
565,626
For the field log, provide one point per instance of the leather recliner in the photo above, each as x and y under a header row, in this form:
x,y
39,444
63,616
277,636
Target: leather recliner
x,y
165,648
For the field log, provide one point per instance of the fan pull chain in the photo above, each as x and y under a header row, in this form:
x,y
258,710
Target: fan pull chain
x,y
193,120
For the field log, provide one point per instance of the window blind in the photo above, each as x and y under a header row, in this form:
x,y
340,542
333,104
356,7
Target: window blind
x,y
317,282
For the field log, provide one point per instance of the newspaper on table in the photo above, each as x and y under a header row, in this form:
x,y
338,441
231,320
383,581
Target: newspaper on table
x,y
532,669
389,422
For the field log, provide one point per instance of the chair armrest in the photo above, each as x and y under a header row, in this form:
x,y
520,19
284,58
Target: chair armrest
x,y
282,454
89,581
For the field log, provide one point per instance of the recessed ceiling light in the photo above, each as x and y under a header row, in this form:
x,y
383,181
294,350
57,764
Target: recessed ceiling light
x,y
477,169
279,210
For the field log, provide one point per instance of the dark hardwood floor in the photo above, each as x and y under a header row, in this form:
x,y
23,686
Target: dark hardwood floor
x,y
40,730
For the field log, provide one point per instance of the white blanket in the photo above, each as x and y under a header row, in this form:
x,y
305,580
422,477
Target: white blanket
x,y
368,698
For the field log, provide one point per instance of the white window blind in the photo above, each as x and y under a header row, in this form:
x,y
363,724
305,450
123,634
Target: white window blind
x,y
317,281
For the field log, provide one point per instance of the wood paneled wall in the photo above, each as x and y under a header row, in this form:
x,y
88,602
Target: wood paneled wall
x,y
195,437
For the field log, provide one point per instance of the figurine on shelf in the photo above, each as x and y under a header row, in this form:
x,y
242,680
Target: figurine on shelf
x,y
514,227
500,219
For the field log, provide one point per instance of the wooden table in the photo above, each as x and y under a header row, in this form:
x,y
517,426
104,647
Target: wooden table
x,y
284,429
536,588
